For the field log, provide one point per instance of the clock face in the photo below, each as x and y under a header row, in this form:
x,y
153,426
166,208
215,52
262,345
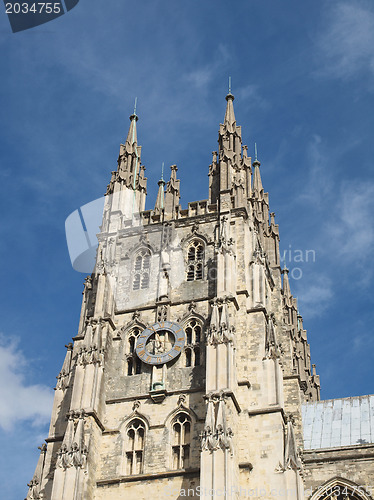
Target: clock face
x,y
160,343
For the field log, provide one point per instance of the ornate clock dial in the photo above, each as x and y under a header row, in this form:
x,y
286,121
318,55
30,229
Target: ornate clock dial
x,y
160,343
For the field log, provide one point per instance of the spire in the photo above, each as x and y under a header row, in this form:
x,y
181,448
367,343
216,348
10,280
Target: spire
x,y
257,189
286,283
172,194
228,169
230,121
132,138
160,201
130,172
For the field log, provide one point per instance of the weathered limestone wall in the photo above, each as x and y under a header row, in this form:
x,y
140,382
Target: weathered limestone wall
x,y
149,487
355,463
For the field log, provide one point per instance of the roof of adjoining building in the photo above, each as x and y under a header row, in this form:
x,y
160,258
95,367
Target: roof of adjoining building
x,y
338,422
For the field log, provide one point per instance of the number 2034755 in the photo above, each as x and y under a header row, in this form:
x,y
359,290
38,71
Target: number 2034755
x,y
33,8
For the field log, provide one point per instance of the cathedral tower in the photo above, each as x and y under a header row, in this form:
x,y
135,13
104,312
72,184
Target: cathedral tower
x,y
190,365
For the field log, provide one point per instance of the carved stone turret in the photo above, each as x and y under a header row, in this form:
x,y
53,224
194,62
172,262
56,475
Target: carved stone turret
x,y
230,170
172,194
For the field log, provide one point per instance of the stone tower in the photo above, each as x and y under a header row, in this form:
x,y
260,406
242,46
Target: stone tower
x,y
190,365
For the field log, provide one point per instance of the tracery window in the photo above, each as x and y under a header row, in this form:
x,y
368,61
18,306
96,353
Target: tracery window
x,y
195,261
135,447
142,267
134,364
192,350
181,441
340,489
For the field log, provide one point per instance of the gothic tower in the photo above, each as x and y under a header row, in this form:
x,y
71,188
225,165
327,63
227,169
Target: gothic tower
x,y
190,365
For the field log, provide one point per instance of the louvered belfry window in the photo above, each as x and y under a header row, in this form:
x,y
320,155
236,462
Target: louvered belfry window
x,y
193,331
195,261
134,364
142,268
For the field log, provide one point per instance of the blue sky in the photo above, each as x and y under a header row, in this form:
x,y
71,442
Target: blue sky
x,y
303,80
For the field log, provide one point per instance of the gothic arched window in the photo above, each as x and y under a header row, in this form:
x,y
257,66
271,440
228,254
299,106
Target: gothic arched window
x,y
134,364
181,441
135,437
142,268
340,489
193,331
195,261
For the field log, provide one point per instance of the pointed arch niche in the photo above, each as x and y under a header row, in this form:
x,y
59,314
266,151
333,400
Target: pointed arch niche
x,y
192,351
130,333
134,433
339,488
181,427
194,326
195,259
141,268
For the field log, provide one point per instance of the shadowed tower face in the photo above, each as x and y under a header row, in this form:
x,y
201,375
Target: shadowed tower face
x,y
191,364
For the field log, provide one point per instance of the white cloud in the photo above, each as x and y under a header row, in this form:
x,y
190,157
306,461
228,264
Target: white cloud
x,y
250,95
362,341
350,232
315,292
346,43
353,228
345,209
319,182
20,401
204,75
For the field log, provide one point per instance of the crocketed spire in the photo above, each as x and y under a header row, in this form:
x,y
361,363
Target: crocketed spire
x,y
130,172
230,121
160,200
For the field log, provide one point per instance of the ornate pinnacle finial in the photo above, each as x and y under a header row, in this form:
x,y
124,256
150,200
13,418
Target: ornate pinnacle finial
x,y
229,96
134,116
256,162
159,206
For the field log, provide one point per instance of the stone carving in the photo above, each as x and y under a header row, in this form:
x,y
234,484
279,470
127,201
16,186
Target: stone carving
x,y
216,434
272,348
63,377
73,451
35,485
162,312
220,331
92,351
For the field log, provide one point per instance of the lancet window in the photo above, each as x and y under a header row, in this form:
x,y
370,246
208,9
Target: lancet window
x,y
134,365
339,488
142,268
181,441
195,261
135,437
192,350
